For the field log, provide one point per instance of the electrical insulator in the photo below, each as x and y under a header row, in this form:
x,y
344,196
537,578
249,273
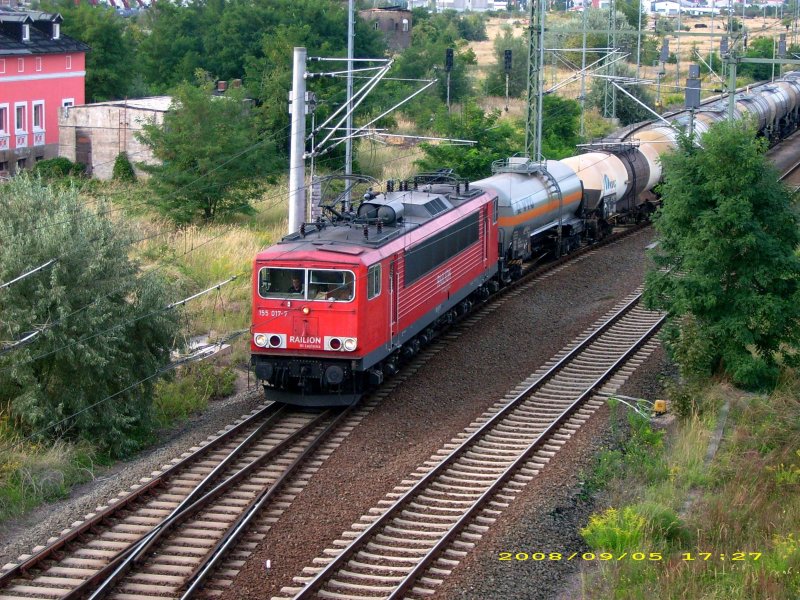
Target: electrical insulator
x,y
448,60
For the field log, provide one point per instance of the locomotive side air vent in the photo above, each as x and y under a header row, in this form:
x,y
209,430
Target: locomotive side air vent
x,y
435,206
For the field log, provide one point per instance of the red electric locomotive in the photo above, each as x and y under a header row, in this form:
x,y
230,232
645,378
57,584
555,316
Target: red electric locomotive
x,y
338,305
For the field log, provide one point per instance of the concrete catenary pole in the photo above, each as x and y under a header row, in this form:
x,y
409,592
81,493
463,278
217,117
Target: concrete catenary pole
x,y
297,165
348,159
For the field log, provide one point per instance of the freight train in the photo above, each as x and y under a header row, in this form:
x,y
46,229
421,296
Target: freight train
x,y
340,304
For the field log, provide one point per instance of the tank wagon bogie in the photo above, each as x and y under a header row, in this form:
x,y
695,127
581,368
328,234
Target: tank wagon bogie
x,y
339,305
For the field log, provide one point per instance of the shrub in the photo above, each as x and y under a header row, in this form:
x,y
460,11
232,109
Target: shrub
x,y
189,391
56,168
89,372
662,523
615,531
123,169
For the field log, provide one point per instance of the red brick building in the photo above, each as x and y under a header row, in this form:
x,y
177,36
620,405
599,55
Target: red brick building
x,y
41,71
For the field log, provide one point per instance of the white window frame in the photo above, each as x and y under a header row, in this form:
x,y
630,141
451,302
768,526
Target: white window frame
x,y
67,102
20,65
38,63
56,31
34,104
24,106
405,25
374,283
69,62
4,128
26,32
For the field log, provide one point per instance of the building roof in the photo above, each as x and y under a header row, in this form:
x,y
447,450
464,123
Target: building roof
x,y
154,103
41,41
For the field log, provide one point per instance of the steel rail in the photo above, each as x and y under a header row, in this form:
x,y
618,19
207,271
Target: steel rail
x,y
196,579
108,576
540,441
356,545
97,520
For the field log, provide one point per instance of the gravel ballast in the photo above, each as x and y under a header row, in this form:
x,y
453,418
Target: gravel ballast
x,y
444,396
21,535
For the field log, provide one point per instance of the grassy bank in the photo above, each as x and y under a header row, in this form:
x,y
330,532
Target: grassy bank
x,y
692,526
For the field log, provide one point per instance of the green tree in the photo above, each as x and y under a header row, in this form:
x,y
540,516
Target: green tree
x,y
110,62
518,77
496,140
631,10
213,158
560,126
761,47
425,57
627,110
107,327
726,268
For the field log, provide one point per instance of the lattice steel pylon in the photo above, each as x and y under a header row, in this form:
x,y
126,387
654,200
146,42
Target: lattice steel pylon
x,y
610,91
533,123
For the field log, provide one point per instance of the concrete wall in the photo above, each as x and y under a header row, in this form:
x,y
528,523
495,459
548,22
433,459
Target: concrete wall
x,y
395,25
95,134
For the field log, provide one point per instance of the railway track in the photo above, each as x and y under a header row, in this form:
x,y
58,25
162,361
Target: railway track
x,y
417,535
168,535
78,561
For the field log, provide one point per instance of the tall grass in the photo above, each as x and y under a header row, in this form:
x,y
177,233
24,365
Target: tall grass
x,y
748,501
31,474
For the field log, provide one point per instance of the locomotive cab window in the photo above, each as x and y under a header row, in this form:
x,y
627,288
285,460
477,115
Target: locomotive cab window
x,y
282,283
331,285
373,281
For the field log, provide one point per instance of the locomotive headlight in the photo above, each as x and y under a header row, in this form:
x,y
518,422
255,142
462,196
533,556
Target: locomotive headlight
x,y
350,344
306,310
260,340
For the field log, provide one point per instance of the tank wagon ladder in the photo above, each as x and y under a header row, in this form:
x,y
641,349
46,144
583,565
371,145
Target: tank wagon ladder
x,y
554,191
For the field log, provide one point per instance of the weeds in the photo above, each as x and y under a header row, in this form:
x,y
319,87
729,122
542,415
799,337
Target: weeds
x,y
747,504
189,391
35,474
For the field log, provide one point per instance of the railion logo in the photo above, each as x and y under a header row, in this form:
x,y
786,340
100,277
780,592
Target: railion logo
x,y
310,341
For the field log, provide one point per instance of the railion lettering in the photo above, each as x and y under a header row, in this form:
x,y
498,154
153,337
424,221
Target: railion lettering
x,y
294,339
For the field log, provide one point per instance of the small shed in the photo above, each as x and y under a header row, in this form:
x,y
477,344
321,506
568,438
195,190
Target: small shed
x,y
95,134
393,21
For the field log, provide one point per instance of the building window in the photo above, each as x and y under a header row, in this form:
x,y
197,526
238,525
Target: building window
x,y
373,281
20,65
38,115
20,122
376,25
38,63
26,32
56,31
69,61
4,166
67,102
405,24
21,164
2,65
3,118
